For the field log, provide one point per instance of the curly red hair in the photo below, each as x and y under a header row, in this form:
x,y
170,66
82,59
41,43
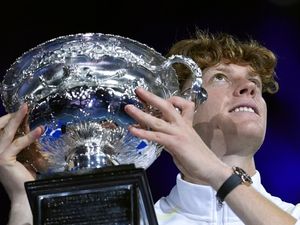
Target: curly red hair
x,y
207,50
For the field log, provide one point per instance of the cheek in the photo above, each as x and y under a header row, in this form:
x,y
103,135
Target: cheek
x,y
211,107
206,112
265,114
263,109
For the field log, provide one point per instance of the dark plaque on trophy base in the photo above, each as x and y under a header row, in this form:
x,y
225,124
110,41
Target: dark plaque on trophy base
x,y
117,195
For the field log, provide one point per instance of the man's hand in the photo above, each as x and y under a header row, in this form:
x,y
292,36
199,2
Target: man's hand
x,y
174,130
13,174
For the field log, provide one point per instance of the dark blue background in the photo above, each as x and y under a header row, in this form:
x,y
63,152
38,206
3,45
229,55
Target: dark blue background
x,y
275,23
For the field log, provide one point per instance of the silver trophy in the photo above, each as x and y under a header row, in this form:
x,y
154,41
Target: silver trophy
x,y
76,86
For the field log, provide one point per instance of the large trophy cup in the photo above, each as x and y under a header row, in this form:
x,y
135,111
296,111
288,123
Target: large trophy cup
x,y
91,170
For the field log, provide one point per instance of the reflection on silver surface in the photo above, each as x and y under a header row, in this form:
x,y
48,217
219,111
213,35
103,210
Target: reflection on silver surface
x,y
76,86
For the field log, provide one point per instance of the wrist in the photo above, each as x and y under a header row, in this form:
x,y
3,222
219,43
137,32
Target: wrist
x,y
220,175
238,176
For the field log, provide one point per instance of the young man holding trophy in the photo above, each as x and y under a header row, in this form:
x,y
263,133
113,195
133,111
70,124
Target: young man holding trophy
x,y
212,144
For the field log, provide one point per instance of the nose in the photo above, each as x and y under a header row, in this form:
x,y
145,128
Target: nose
x,y
247,88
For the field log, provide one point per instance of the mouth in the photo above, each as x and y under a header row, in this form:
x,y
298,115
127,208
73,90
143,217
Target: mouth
x,y
245,108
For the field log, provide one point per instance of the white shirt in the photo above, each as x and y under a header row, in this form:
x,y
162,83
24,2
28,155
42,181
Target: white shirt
x,y
191,204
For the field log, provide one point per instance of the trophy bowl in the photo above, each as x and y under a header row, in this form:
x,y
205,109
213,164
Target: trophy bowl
x,y
76,87
91,170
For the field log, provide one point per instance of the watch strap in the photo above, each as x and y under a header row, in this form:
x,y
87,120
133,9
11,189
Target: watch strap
x,y
232,182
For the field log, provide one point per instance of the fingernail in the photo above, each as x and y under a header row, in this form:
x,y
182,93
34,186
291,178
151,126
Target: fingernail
x,y
37,132
129,107
23,105
139,89
43,129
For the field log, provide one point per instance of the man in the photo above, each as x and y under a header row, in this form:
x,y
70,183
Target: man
x,y
224,132
228,130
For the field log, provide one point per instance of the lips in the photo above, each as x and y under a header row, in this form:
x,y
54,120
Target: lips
x,y
251,108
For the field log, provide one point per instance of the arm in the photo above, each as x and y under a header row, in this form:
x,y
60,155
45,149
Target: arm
x,y
251,207
12,173
256,209
196,161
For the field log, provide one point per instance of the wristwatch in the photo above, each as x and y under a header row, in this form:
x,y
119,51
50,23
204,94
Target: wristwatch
x,y
239,176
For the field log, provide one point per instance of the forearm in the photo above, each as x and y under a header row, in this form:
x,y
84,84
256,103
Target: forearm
x,y
254,209
250,205
13,182
20,213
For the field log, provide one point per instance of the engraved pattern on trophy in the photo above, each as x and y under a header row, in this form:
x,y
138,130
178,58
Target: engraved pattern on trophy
x,y
76,86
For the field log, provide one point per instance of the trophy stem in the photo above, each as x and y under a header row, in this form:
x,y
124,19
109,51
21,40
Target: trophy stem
x,y
83,157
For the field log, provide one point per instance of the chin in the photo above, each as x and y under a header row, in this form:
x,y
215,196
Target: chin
x,y
250,134
253,137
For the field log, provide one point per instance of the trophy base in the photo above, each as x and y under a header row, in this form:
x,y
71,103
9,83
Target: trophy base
x,y
116,195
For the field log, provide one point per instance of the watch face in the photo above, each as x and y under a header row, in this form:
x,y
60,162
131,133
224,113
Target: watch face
x,y
245,177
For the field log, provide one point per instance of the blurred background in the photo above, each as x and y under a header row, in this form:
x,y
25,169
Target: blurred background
x,y
274,23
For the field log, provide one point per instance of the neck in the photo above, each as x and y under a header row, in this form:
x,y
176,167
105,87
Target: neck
x,y
234,150
245,162
231,153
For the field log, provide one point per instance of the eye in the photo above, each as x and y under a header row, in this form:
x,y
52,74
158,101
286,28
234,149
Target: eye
x,y
219,77
257,82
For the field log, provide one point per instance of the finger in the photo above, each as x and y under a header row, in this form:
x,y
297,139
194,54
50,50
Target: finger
x,y
10,129
167,109
186,107
158,137
147,119
4,120
25,125
22,142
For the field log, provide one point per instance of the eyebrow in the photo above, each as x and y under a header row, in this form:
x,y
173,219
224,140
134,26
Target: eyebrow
x,y
222,68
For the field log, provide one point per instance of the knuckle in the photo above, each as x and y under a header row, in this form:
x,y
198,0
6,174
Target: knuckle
x,y
8,133
157,138
17,143
168,105
23,141
157,124
173,98
190,105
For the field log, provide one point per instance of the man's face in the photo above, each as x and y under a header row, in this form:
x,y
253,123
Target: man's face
x,y
235,112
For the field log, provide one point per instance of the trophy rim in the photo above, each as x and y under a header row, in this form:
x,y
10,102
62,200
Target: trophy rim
x,y
45,64
11,80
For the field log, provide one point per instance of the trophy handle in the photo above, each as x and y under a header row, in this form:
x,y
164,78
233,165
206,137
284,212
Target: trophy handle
x,y
196,92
